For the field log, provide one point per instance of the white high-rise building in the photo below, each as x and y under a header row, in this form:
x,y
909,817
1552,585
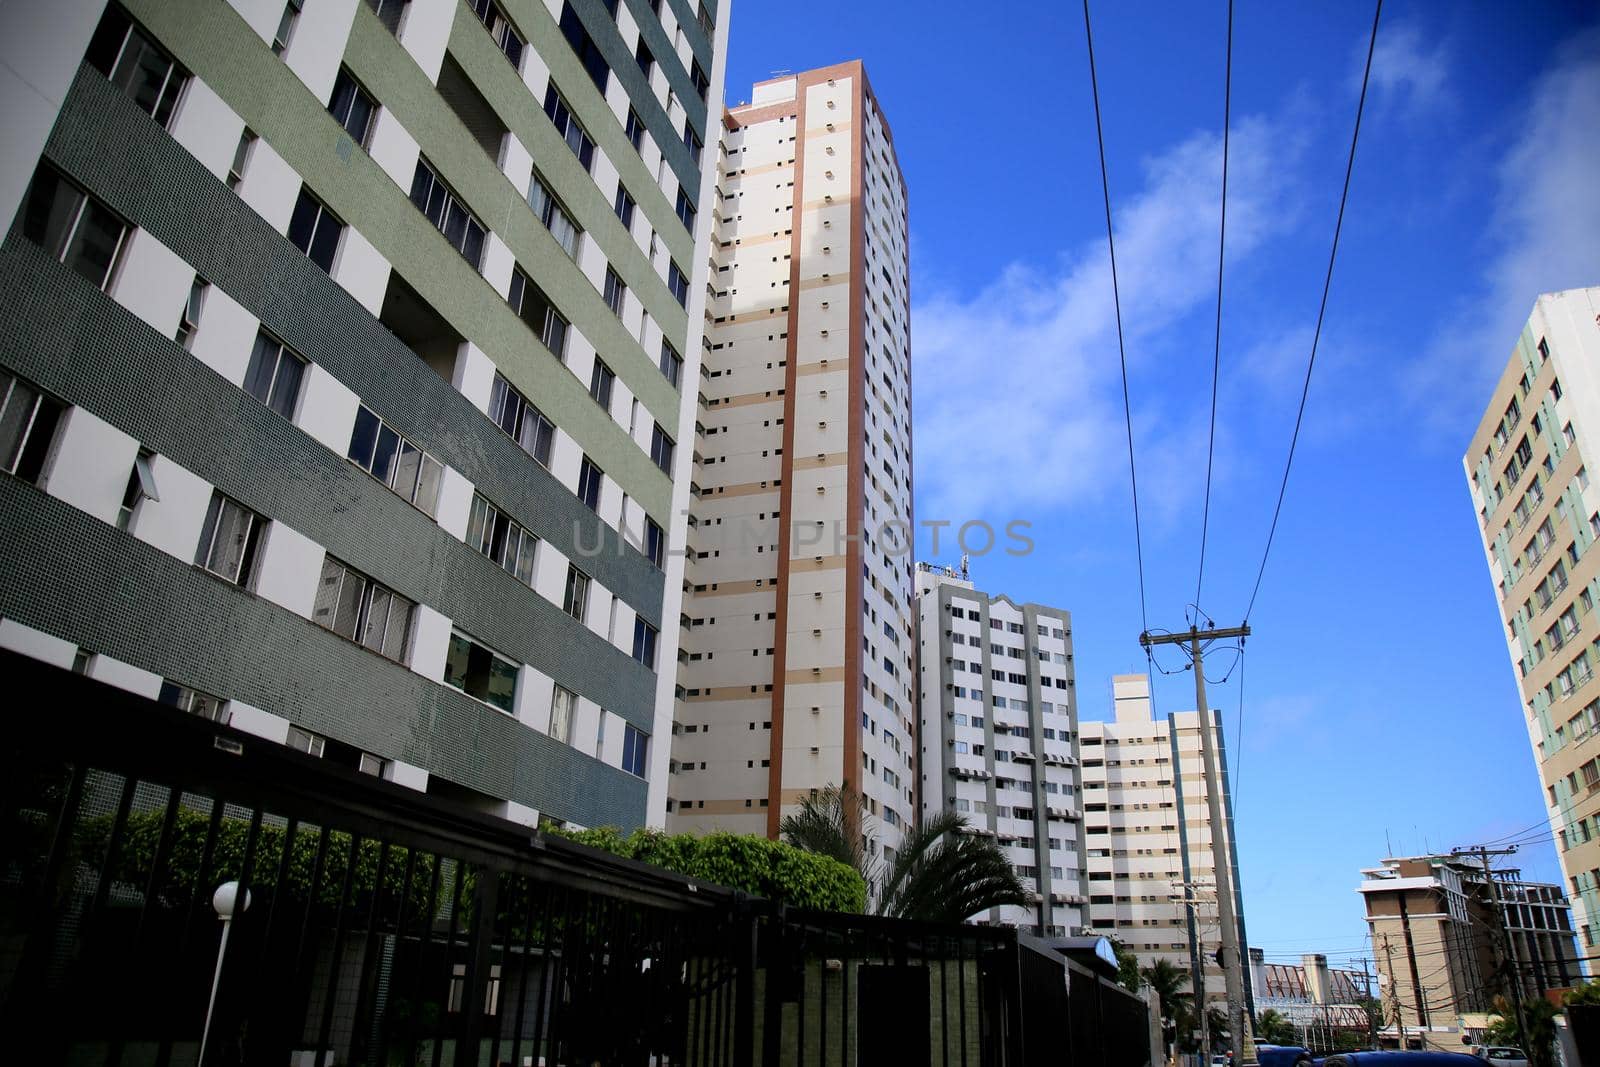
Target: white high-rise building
x,y
1528,470
795,669
999,738
1151,859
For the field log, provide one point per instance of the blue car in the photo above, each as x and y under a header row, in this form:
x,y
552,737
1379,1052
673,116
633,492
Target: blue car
x,y
1394,1058
1282,1056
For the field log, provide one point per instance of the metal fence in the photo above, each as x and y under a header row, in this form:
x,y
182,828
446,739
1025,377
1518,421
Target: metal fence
x,y
378,925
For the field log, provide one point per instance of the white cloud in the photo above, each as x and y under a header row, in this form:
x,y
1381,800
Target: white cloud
x,y
1036,351
1545,229
1407,74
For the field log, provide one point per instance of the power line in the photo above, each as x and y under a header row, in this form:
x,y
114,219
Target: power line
x,y
1216,347
1327,284
1116,296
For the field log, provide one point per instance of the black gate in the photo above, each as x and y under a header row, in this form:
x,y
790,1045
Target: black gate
x,y
378,925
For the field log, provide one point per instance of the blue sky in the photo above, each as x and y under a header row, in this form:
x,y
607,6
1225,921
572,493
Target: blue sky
x,y
1381,709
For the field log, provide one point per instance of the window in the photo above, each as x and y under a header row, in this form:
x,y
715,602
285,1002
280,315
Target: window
x,y
359,609
136,65
589,479
193,701
500,28
389,12
588,53
646,60
644,643
623,206
671,362
352,107
141,485
394,461
72,227
686,211
274,375
492,532
678,284
314,230
562,705
655,542
702,84
480,672
529,301
635,747
691,141
554,216
575,602
526,424
286,24
616,292
241,158
661,449
28,420
635,130
448,215
189,320
600,381
228,540
567,126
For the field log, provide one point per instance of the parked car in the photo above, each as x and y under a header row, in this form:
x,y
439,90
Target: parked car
x,y
1501,1055
1282,1056
1394,1058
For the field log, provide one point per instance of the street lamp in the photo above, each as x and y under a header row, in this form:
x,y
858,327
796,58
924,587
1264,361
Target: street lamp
x,y
225,901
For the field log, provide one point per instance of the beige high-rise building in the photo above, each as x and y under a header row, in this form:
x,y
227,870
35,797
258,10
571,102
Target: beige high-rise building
x,y
1527,467
795,670
1148,834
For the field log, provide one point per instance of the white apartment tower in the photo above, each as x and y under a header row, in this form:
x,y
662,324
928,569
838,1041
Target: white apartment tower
x,y
795,668
1528,470
998,733
1151,859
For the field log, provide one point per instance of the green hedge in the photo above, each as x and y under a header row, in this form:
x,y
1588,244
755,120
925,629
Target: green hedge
x,y
754,864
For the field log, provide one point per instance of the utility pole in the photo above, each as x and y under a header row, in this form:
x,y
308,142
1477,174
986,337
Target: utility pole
x,y
1507,947
1227,908
1366,992
1394,988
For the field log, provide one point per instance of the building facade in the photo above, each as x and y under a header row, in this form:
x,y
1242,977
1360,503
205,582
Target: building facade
x,y
795,668
1527,468
348,344
1152,853
1437,941
1323,1003
998,738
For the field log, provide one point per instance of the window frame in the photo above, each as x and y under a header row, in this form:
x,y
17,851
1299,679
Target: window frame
x,y
635,750
561,116
207,554
552,332
493,659
502,394
283,355
591,483
575,597
438,195
368,594
67,245
321,213
423,488
615,293
356,93
174,80
28,456
502,539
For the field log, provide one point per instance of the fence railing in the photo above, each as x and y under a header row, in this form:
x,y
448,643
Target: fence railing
x,y
379,925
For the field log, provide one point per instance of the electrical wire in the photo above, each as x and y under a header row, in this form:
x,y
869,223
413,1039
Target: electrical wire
x,y
1327,284
1116,297
1216,347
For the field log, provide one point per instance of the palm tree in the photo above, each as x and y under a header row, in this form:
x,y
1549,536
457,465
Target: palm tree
x,y
828,823
941,873
1170,984
1274,1028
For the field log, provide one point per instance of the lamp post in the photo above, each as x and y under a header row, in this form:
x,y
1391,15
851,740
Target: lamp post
x,y
225,901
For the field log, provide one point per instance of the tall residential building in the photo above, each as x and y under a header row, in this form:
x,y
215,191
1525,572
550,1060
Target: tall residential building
x,y
795,670
1152,864
998,737
347,346
1437,941
1527,467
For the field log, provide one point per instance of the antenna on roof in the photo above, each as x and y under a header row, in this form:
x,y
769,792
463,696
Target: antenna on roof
x,y
963,564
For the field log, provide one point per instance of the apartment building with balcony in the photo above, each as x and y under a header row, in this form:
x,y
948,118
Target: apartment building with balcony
x,y
795,664
1538,515
1152,852
998,738
1438,944
348,344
